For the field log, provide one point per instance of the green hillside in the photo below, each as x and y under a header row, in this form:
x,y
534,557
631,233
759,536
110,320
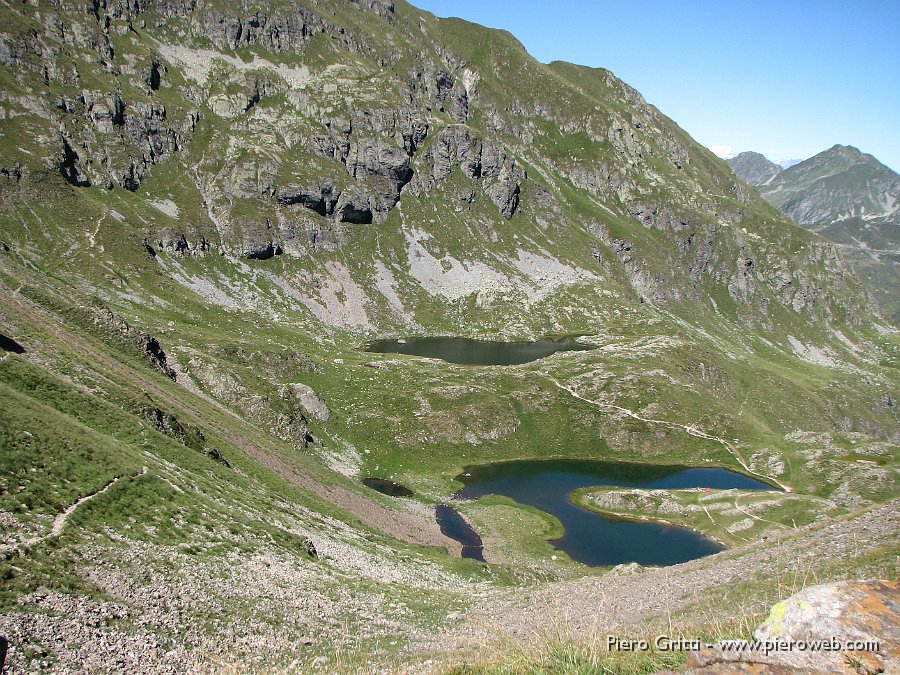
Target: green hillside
x,y
207,208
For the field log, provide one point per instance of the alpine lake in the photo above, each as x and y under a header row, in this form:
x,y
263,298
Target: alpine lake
x,y
591,538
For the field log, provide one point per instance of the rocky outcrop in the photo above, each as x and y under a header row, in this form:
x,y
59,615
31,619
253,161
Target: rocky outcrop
x,y
187,435
321,199
171,242
354,206
117,141
168,424
659,216
377,157
11,174
487,164
282,29
310,401
106,137
277,409
114,327
375,147
501,178
70,165
848,627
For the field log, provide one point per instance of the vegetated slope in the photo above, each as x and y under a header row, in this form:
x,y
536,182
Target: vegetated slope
x,y
207,207
847,196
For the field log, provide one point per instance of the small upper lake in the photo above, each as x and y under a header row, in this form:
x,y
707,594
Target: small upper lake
x,y
589,537
388,487
471,352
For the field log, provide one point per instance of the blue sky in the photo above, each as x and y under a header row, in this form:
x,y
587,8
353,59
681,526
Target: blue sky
x,y
788,79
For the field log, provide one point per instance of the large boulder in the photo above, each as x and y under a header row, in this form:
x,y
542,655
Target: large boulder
x,y
311,402
848,627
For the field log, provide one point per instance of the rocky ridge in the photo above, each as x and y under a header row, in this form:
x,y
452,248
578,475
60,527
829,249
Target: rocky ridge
x,y
846,196
285,166
838,184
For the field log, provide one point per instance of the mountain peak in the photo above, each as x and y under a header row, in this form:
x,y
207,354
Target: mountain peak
x,y
756,169
845,195
839,158
846,149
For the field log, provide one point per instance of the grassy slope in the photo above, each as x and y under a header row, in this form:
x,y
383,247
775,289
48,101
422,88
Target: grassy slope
x,y
418,423
67,435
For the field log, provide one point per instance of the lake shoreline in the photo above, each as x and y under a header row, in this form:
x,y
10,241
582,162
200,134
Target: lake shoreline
x,y
600,537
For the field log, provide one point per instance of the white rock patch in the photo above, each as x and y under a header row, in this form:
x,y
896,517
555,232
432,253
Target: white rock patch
x,y
387,286
447,276
812,354
167,206
546,273
197,64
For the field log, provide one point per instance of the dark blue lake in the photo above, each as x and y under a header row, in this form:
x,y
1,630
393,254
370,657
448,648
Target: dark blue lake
x,y
599,540
471,352
455,526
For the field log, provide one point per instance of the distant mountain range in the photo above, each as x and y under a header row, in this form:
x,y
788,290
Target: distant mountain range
x,y
847,196
787,163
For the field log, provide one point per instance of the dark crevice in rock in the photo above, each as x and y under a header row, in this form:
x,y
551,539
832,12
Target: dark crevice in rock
x,y
254,98
358,215
154,79
69,167
267,253
321,200
118,111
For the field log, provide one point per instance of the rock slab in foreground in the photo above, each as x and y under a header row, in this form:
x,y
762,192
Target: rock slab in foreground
x,y
844,627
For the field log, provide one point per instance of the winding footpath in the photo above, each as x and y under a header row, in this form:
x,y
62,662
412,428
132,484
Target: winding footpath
x,y
693,431
61,519
404,525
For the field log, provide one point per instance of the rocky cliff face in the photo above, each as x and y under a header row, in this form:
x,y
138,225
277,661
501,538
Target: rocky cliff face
x,y
293,130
